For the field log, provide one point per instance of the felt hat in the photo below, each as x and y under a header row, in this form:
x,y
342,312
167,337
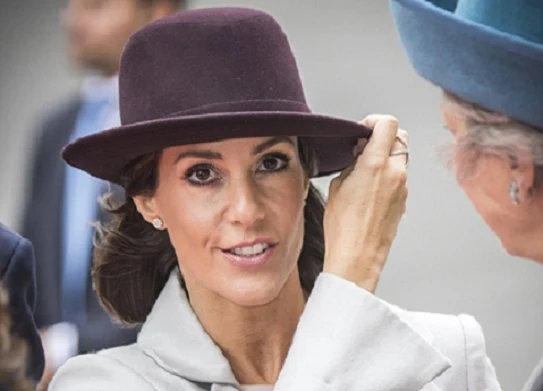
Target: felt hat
x,y
488,52
206,75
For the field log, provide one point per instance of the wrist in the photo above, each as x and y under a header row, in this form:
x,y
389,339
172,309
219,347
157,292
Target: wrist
x,y
364,271
367,281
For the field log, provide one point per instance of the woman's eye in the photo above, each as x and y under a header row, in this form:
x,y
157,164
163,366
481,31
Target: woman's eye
x,y
276,162
201,175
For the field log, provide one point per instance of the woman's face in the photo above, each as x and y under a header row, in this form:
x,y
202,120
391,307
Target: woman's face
x,y
234,213
487,186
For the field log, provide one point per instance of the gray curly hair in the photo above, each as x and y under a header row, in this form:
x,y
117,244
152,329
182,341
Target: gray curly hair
x,y
492,133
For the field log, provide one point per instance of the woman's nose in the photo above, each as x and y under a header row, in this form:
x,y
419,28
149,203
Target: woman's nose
x,y
246,204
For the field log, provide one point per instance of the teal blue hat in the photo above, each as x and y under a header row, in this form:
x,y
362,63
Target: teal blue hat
x,y
488,52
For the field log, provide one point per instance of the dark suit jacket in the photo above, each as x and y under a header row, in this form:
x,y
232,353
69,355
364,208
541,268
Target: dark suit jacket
x,y
42,225
18,278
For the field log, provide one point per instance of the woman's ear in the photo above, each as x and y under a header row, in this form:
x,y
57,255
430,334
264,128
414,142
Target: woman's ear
x,y
523,173
147,207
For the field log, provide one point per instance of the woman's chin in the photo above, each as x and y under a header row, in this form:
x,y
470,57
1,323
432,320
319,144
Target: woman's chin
x,y
522,253
253,294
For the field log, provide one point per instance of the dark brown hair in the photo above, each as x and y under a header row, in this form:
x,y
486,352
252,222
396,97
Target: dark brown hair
x,y
13,352
132,260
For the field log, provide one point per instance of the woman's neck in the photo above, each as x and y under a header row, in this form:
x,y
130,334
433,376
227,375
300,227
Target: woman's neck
x,y
255,340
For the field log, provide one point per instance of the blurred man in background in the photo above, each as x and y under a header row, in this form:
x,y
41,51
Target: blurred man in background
x,y
62,201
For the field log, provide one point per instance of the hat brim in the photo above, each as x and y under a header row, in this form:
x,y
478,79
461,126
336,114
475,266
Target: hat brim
x,y
106,154
499,71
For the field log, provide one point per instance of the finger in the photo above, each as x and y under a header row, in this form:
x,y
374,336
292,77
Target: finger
x,y
399,159
401,146
332,187
335,183
402,137
345,173
359,147
385,128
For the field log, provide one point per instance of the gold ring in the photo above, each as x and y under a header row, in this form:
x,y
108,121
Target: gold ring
x,y
401,141
401,152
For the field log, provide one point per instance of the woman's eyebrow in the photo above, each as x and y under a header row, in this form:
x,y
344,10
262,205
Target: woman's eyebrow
x,y
272,142
201,154
212,155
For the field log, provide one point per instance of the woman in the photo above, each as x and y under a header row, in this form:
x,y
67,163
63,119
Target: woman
x,y
21,353
487,56
223,248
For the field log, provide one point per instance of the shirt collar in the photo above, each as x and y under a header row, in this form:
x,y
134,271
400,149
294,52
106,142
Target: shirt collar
x,y
101,88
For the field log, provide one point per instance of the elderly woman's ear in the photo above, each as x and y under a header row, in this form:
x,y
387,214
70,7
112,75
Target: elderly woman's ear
x,y
522,184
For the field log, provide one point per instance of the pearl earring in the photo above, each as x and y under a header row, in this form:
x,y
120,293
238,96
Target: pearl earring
x,y
514,192
158,223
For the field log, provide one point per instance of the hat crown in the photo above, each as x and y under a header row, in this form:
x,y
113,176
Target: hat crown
x,y
208,61
523,18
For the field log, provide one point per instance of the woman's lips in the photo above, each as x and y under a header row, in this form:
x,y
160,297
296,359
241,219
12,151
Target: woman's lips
x,y
250,261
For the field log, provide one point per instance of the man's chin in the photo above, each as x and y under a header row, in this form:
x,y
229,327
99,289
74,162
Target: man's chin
x,y
94,65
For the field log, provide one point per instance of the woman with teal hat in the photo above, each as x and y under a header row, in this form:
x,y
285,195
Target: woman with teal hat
x,y
224,251
487,56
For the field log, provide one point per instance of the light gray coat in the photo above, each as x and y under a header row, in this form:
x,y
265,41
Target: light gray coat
x,y
347,339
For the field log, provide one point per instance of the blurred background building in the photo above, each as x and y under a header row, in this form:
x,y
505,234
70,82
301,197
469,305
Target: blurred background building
x,y
444,259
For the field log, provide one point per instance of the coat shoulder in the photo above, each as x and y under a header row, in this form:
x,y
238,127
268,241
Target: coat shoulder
x,y
451,334
9,241
55,126
98,371
68,107
125,367
460,338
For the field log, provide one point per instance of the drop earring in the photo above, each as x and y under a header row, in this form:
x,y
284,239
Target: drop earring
x,y
514,192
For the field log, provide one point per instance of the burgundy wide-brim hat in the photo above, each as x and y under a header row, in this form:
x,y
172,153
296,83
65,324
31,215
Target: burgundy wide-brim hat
x,y
207,75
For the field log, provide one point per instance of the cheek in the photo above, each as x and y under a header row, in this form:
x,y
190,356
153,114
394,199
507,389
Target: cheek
x,y
465,163
486,188
473,181
286,212
191,221
285,196
482,176
473,190
286,189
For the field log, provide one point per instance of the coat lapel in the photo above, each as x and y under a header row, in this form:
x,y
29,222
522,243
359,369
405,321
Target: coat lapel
x,y
175,339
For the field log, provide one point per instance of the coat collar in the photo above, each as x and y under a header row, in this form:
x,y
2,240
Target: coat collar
x,y
175,339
